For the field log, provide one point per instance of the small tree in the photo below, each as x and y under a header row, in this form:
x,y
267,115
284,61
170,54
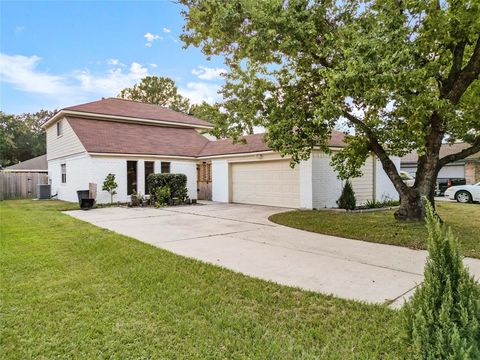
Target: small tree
x,y
110,185
443,318
347,200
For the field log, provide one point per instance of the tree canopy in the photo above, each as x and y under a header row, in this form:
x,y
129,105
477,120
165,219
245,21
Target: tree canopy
x,y
22,137
157,90
403,75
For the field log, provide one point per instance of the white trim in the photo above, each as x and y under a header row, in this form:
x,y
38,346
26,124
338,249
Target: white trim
x,y
141,156
119,119
69,155
235,155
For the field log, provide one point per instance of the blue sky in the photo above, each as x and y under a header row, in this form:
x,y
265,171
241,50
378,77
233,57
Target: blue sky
x,y
55,54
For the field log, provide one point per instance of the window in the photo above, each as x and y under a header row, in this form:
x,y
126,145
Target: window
x,y
59,128
63,170
165,167
148,171
131,177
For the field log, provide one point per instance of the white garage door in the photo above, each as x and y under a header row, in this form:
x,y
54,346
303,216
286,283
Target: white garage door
x,y
272,183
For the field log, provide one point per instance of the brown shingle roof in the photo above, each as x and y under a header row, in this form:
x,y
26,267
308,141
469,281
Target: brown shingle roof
x,y
126,138
445,150
136,109
104,136
255,143
36,163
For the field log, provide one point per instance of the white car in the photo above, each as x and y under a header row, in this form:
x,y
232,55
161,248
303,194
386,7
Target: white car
x,y
464,193
408,179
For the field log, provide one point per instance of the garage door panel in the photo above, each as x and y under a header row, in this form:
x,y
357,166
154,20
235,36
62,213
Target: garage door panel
x,y
265,183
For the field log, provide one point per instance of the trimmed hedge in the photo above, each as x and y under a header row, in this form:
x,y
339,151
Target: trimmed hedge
x,y
176,182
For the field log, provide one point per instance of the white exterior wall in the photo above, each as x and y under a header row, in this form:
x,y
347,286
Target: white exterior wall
x,y
306,184
327,188
364,185
384,189
67,144
220,181
101,167
190,169
78,170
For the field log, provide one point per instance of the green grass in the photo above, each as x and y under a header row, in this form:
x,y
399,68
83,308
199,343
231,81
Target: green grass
x,y
381,227
71,290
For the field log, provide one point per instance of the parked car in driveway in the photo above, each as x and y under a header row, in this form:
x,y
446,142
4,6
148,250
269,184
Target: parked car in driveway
x,y
408,179
464,193
444,183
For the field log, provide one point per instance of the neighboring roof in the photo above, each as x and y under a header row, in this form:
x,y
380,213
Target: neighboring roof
x,y
254,143
445,150
136,109
99,136
38,163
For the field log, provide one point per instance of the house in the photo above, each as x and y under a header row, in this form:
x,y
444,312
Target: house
x,y
132,139
37,164
468,168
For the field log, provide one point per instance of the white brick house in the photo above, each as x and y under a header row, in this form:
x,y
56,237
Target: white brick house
x,y
132,139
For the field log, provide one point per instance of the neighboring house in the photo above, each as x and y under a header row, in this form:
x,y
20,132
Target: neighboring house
x,y
37,164
132,139
468,168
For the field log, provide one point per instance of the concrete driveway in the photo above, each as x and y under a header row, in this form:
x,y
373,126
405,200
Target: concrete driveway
x,y
241,238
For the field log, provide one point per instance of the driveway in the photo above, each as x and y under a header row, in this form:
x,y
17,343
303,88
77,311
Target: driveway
x,y
241,238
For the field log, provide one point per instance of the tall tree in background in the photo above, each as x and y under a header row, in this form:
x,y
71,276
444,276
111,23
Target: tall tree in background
x,y
402,74
157,90
22,137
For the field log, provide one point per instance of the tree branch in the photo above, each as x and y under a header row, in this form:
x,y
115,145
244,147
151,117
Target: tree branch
x,y
387,163
460,155
466,76
457,53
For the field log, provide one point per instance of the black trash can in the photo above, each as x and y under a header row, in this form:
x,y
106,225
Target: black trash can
x,y
82,194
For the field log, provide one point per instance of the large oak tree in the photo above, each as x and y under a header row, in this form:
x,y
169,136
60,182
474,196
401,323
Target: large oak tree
x,y
403,75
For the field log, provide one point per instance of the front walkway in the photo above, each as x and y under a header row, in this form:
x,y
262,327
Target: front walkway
x,y
240,238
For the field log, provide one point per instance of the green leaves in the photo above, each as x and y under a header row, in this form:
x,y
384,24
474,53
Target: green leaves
x,y
297,67
157,90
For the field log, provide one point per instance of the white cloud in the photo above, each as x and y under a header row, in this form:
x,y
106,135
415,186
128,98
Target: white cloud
x,y
154,66
206,73
113,81
21,72
114,62
201,91
166,30
151,38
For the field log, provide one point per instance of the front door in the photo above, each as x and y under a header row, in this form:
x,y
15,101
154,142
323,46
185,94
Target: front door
x,y
204,181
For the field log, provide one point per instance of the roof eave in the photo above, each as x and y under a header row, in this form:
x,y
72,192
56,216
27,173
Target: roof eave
x,y
136,120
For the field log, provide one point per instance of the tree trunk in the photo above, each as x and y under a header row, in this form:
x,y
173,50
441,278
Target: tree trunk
x,y
412,201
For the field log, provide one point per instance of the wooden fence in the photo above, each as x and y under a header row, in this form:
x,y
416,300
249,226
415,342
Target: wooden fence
x,y
18,185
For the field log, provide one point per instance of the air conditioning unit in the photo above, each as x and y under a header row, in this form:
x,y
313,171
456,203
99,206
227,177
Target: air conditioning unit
x,y
44,191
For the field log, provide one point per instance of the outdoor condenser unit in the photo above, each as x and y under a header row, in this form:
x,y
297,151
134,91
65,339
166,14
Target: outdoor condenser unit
x,y
44,191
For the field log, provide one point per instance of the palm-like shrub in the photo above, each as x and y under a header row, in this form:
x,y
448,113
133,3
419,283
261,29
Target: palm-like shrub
x,y
347,200
442,320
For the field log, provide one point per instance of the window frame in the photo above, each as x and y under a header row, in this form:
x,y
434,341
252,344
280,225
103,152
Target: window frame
x,y
63,173
168,164
59,128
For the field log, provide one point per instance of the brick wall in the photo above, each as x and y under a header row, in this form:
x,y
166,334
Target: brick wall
x,y
472,171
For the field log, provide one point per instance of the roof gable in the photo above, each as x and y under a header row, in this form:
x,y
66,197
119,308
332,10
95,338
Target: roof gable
x,y
117,109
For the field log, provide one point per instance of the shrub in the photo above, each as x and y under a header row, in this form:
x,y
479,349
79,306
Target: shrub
x,y
347,200
442,320
110,185
374,204
162,195
177,183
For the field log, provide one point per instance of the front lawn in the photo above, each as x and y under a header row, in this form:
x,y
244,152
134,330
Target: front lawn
x,y
72,290
381,227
